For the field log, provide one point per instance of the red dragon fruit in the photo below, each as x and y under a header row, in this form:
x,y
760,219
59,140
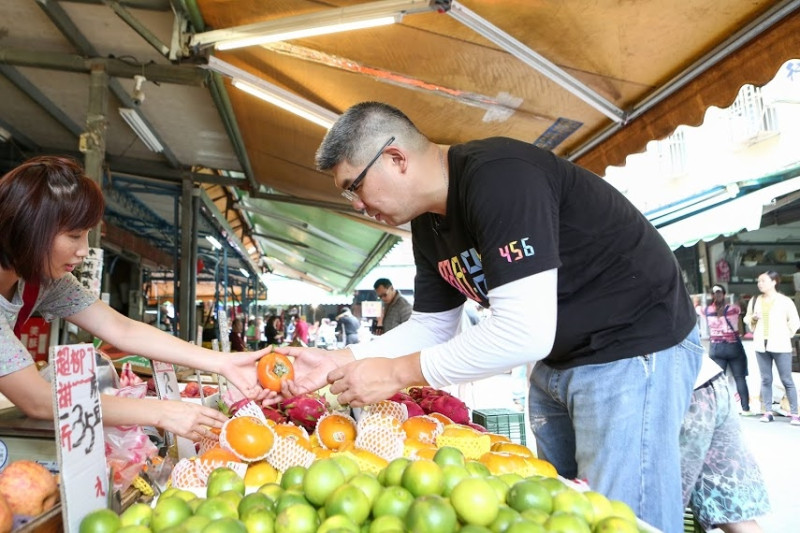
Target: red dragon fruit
x,y
451,407
304,410
413,408
420,393
273,414
401,397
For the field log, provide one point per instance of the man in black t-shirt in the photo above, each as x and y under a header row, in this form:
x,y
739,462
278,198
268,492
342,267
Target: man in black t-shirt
x,y
579,282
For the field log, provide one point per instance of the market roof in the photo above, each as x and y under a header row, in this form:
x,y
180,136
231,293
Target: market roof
x,y
591,81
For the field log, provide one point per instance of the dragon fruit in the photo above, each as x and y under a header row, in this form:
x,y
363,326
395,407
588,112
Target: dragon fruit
x,y
273,414
450,406
413,408
304,410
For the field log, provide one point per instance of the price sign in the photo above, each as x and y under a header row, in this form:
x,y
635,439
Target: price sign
x,y
224,329
79,433
371,309
166,383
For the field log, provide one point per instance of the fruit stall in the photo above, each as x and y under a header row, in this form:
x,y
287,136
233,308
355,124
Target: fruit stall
x,y
419,461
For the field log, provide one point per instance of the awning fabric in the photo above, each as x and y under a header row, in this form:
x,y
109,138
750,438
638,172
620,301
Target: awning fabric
x,y
741,213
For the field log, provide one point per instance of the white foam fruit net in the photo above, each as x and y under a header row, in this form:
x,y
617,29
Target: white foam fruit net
x,y
287,452
382,435
191,473
206,443
388,408
420,423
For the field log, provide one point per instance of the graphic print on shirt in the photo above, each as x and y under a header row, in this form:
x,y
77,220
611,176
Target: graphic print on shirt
x,y
465,272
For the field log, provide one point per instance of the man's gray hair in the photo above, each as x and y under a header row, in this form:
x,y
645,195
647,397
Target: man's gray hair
x,y
361,130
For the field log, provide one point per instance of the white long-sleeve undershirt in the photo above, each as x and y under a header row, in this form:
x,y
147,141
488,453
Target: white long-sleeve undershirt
x,y
520,330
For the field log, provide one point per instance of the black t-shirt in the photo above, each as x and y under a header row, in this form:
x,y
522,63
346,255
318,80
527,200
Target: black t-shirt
x,y
514,210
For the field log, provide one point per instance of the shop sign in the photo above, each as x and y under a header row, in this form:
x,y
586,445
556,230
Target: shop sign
x,y
80,442
166,383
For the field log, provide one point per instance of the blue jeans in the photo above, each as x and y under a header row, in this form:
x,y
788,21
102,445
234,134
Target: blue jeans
x,y
617,425
783,362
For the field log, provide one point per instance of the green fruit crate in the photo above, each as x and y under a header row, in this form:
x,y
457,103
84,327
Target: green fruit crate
x,y
503,422
690,524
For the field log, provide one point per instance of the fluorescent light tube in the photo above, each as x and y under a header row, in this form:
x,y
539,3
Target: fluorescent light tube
x,y
214,242
286,101
308,32
244,272
145,134
320,22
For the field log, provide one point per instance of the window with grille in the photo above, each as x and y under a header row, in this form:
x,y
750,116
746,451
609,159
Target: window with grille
x,y
751,118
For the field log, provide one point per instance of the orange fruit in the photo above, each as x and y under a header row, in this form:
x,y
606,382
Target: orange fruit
x,y
414,448
248,437
218,453
260,473
423,428
336,431
290,431
495,438
321,479
369,461
431,514
503,462
445,420
512,447
529,494
540,466
457,430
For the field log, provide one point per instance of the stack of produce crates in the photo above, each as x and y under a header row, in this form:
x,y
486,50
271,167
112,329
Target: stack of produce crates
x,y
690,524
503,422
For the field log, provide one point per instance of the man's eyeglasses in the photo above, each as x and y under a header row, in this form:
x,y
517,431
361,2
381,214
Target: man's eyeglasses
x,y
382,296
350,192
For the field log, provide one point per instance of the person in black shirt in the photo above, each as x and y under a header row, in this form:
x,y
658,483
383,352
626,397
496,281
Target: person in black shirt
x,y
350,326
580,285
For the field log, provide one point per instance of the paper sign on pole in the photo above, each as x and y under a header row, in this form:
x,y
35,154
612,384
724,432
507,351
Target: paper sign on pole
x,y
224,329
371,309
79,433
166,383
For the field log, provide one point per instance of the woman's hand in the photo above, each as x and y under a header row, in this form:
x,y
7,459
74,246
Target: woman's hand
x,y
187,419
240,369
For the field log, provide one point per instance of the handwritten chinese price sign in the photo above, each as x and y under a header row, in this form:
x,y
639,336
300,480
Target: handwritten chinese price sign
x,y
166,383
79,433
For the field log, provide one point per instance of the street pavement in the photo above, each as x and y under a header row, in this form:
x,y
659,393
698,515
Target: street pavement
x,y
776,446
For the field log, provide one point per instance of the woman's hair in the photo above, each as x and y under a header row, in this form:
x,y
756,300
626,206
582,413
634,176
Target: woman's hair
x,y
774,276
40,199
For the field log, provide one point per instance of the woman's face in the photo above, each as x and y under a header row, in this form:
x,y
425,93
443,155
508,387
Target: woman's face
x,y
69,250
765,283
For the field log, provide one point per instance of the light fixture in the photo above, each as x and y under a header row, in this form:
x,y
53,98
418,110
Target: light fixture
x,y
691,206
214,242
273,94
142,130
538,62
322,22
244,272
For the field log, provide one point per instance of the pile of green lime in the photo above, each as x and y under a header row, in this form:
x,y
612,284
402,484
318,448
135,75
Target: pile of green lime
x,y
444,495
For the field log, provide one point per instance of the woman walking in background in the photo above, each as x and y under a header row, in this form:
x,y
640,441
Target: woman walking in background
x,y
773,319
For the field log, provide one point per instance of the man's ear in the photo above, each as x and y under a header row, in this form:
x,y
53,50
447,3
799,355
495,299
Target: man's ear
x,y
399,158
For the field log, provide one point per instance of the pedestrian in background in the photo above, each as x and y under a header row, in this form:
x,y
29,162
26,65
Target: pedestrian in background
x,y
725,346
396,308
774,320
350,326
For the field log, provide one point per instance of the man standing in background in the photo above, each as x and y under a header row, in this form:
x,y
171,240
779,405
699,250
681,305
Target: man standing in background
x,y
396,308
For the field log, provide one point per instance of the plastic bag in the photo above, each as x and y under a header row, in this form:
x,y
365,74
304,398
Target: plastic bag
x,y
127,447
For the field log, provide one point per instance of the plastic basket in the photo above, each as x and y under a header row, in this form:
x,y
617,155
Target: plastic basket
x,y
503,422
690,524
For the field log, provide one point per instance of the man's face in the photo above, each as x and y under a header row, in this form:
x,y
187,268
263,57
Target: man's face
x,y
386,294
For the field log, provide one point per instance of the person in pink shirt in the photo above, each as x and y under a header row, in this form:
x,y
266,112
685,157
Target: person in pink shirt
x,y
301,329
726,347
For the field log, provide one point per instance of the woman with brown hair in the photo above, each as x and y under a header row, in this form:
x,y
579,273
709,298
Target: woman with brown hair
x,y
773,319
47,207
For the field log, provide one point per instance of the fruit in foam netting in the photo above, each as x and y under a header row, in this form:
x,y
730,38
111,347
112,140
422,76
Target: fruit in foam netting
x,y
28,487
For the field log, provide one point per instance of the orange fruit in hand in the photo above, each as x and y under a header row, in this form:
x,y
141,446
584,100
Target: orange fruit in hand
x,y
423,428
336,431
247,437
